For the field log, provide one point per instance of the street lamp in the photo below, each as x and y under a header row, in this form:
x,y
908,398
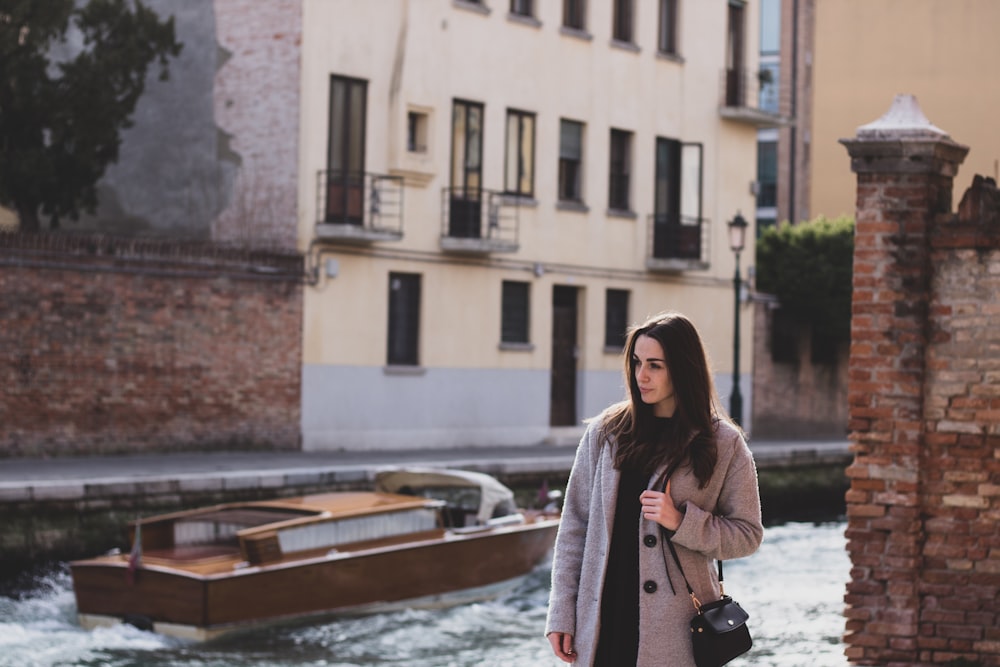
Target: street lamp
x,y
737,238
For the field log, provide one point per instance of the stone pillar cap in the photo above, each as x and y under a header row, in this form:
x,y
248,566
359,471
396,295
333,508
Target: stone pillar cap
x,y
904,119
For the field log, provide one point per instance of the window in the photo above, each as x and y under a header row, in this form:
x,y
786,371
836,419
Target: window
x,y
570,160
404,319
514,312
667,41
465,207
767,174
615,318
416,132
622,28
619,169
770,55
770,27
520,172
345,155
573,14
735,85
768,77
522,7
677,200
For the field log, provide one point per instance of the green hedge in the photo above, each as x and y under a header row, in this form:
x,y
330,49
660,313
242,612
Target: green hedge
x,y
808,266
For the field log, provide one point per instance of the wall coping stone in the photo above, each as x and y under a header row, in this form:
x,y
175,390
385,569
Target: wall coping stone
x,y
904,118
903,141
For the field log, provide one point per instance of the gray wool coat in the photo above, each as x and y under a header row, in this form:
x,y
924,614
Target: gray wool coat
x,y
720,521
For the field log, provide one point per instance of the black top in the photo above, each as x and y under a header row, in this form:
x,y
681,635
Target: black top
x,y
618,642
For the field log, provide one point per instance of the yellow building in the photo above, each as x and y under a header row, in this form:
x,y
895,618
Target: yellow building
x,y
868,51
490,191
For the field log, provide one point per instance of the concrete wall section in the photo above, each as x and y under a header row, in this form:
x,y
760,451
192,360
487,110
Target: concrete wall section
x,y
371,407
172,177
597,390
213,151
800,398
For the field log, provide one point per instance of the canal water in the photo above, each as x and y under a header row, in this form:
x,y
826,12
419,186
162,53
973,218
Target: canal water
x,y
793,588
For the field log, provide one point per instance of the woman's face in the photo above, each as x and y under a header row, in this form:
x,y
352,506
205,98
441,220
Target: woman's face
x,y
652,376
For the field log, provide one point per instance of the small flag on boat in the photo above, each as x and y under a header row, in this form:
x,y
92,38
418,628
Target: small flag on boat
x,y
135,556
543,493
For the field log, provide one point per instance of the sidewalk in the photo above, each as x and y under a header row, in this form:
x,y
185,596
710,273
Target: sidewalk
x,y
77,477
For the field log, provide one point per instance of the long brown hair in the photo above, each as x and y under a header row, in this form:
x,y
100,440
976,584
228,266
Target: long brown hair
x,y
629,423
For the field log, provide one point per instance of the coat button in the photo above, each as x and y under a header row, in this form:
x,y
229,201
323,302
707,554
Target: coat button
x,y
649,586
649,540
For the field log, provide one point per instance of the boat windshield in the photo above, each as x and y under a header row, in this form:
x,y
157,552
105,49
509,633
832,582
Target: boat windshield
x,y
469,497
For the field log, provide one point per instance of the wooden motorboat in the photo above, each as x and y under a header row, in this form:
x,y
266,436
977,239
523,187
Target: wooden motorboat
x,y
423,537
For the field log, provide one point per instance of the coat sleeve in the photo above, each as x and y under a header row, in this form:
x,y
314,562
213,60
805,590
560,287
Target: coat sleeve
x,y
734,529
567,555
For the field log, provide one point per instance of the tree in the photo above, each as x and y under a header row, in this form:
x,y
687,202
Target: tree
x,y
71,74
809,267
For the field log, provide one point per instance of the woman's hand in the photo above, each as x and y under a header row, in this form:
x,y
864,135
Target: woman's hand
x,y
562,645
659,507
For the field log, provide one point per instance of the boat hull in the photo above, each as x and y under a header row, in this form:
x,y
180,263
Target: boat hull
x,y
454,566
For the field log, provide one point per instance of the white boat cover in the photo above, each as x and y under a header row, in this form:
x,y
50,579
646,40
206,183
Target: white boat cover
x,y
492,492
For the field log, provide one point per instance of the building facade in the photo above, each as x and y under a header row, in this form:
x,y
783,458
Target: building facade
x,y
492,191
488,193
867,52
783,156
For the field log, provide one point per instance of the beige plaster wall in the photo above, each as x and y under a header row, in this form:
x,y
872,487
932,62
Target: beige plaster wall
x,y
423,54
867,51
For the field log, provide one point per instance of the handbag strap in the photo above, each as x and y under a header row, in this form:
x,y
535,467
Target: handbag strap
x,y
673,552
666,537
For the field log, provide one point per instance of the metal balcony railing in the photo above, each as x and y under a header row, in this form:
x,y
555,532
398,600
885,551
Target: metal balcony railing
x,y
369,205
479,220
677,242
740,99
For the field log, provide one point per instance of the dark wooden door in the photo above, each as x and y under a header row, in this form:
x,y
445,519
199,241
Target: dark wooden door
x,y
564,355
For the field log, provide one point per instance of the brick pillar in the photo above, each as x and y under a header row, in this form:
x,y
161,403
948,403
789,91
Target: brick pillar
x,y
905,167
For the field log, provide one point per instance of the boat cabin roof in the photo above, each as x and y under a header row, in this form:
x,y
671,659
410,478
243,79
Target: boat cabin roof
x,y
493,498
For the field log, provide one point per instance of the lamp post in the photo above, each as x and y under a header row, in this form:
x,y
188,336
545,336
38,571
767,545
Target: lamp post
x,y
737,238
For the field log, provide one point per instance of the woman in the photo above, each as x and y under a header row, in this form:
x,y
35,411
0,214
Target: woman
x,y
615,599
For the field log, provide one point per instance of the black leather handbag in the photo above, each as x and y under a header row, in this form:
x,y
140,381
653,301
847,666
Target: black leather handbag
x,y
719,631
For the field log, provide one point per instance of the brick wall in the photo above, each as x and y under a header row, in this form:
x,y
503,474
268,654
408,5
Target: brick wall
x,y
800,399
256,101
121,345
924,401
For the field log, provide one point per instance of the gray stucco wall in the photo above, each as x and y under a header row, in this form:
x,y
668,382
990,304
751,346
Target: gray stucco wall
x,y
363,407
369,408
213,150
173,175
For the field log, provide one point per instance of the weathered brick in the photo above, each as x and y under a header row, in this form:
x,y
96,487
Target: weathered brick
x,y
148,345
924,412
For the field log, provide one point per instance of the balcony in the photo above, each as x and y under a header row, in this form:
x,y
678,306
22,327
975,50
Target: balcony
x,y
356,207
477,221
740,100
677,243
